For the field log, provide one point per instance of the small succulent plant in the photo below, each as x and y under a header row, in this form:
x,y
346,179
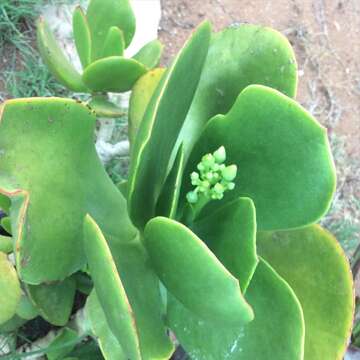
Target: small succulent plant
x,y
101,36
213,236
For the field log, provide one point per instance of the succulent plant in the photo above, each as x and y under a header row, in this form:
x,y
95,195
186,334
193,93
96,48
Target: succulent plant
x,y
214,234
101,36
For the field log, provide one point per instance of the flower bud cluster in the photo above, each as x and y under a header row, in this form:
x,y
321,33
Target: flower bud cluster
x,y
213,178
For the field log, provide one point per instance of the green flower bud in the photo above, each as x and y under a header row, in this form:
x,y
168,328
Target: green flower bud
x,y
208,160
209,176
192,197
220,155
201,167
195,178
230,186
229,173
204,186
218,188
215,196
214,177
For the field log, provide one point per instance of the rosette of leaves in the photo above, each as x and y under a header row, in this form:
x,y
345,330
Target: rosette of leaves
x,y
213,236
101,36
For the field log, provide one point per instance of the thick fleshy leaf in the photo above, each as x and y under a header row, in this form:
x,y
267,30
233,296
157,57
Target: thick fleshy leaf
x,y
84,283
82,36
105,108
282,153
9,289
4,202
26,309
150,54
315,266
109,345
11,325
277,332
50,169
110,290
192,273
239,56
132,267
114,73
141,94
122,186
87,351
5,223
62,345
230,232
6,244
55,59
114,43
165,114
104,14
168,199
54,301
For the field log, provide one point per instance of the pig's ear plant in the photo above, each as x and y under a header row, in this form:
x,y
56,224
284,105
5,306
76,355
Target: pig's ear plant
x,y
212,243
101,36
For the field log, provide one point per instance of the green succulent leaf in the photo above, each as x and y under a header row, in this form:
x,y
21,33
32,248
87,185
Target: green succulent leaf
x,y
168,199
4,201
140,97
11,325
110,290
114,74
5,223
6,244
109,345
122,186
173,96
104,14
82,36
87,351
277,332
238,56
114,43
50,169
282,154
144,333
315,266
105,108
230,232
54,301
84,283
134,266
62,345
26,309
150,54
9,288
192,273
57,62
